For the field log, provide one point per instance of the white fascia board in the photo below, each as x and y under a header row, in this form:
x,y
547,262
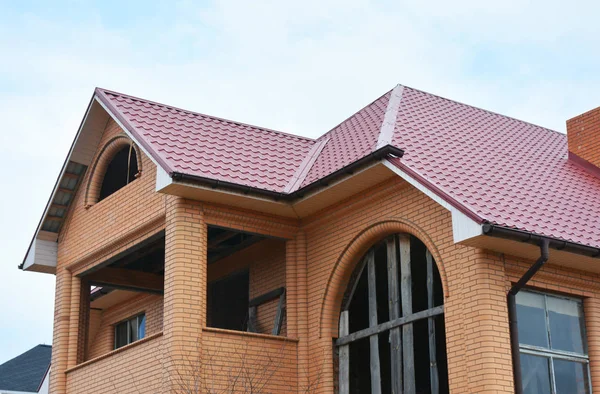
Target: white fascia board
x,y
162,179
122,126
42,253
463,227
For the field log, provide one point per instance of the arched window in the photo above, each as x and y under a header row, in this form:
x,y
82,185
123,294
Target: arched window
x,y
121,170
392,335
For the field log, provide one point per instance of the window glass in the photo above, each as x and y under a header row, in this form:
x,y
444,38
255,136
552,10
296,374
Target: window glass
x,y
571,377
536,374
121,335
566,324
142,326
531,316
130,331
133,330
556,326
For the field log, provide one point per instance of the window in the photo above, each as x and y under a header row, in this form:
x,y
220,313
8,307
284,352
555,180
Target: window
x,y
130,331
121,170
392,334
552,344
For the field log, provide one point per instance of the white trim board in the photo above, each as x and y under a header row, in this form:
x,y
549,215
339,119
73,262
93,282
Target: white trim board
x,y
463,227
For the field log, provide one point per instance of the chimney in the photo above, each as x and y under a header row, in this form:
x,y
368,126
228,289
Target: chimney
x,y
583,135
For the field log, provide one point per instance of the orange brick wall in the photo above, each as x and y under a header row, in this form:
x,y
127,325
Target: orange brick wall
x,y
257,364
137,369
583,133
314,263
339,237
102,341
89,234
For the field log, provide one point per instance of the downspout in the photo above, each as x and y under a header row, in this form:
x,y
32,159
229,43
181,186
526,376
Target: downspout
x,y
512,313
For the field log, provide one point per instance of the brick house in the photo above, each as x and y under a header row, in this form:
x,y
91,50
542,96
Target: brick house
x,y
421,245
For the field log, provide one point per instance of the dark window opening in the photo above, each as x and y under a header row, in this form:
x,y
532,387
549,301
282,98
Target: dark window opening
x,y
427,332
120,171
228,302
130,331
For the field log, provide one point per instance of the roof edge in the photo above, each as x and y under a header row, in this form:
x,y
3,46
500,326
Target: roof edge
x,y
471,214
114,112
379,154
205,115
58,178
494,230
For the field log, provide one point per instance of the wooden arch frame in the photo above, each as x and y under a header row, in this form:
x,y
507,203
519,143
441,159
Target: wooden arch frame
x,y
400,323
341,273
105,156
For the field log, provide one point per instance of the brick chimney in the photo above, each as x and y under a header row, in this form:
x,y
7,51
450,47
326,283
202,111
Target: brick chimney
x,y
583,135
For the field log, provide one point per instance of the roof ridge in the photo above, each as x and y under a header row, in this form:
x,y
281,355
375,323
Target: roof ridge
x,y
388,124
355,113
205,115
483,109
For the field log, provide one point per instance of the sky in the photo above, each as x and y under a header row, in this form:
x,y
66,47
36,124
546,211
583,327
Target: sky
x,y
300,67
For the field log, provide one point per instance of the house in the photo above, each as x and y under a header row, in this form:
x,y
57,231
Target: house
x,y
420,246
27,373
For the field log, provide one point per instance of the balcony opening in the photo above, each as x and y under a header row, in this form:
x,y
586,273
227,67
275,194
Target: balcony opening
x,y
246,282
228,302
124,299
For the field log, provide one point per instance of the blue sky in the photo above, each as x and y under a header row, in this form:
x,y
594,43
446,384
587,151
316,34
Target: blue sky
x,y
299,67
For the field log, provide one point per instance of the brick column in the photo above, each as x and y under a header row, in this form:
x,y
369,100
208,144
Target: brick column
x,y
484,324
185,292
302,311
291,289
74,321
60,338
591,309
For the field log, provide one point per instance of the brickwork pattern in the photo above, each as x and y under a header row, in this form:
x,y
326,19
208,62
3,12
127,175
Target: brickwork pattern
x,y
88,230
185,286
265,364
320,254
583,134
137,369
339,237
103,340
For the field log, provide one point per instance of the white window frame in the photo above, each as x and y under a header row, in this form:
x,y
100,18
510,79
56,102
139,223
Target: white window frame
x,y
552,354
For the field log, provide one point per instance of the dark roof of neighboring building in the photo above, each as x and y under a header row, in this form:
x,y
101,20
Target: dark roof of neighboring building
x,y
492,167
27,371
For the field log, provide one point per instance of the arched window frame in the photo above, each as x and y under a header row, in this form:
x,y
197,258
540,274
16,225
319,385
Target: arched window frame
x,y
399,325
104,158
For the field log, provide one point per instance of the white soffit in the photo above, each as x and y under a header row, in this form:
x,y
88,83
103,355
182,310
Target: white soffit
x,y
41,255
463,227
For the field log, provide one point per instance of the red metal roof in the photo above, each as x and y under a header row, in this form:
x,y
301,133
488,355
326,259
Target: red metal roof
x,y
492,167
210,147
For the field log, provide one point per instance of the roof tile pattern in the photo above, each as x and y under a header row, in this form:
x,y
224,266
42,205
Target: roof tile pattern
x,y
351,140
214,148
502,170
508,172
26,372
